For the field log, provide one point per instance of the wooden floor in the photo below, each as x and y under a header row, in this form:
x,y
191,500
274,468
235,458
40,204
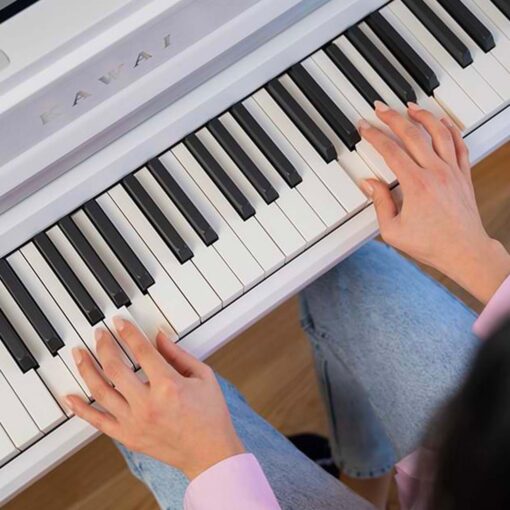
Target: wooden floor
x,y
270,363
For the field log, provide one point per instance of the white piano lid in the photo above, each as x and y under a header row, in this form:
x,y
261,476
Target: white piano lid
x,y
44,31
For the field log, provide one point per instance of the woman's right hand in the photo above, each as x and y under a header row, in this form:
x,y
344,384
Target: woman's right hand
x,y
438,222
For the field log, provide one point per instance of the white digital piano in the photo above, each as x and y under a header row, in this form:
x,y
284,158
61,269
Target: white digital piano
x,y
193,163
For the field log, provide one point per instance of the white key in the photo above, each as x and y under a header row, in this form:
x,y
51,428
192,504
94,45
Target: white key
x,y
254,237
93,287
290,200
165,293
474,85
502,50
271,218
229,246
312,189
494,74
450,95
349,162
52,370
356,107
186,276
7,448
331,174
15,420
60,295
147,315
54,314
370,74
32,392
495,15
426,102
207,260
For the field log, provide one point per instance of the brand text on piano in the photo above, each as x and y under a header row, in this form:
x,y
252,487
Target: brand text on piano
x,y
106,79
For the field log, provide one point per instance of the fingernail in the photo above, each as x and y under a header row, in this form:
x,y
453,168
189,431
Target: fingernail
x,y
167,333
381,107
77,355
363,124
69,403
413,106
367,187
447,122
98,334
119,324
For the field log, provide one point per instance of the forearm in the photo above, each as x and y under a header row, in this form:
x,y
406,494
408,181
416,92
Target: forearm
x,y
480,270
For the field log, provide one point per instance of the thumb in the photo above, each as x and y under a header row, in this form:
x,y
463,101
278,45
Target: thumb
x,y
186,364
385,206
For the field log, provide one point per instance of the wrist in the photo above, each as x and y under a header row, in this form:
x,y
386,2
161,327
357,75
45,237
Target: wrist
x,y
214,456
481,268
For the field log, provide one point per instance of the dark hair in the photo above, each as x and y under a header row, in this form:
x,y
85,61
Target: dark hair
x,y
473,464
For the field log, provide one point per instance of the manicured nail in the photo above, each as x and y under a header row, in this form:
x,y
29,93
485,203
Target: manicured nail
x,y
381,107
98,334
77,356
69,403
363,124
413,106
167,333
447,122
367,187
119,324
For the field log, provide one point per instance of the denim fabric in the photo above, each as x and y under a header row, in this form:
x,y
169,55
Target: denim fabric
x,y
390,345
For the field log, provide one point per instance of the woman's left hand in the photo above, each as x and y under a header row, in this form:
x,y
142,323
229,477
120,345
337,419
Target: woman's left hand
x,y
179,417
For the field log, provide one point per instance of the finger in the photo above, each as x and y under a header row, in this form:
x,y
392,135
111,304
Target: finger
x,y
461,149
152,362
412,135
99,420
125,381
402,165
442,139
186,364
102,392
385,206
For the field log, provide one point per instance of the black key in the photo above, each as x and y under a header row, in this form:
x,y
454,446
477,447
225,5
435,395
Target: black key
x,y
405,54
182,202
282,165
119,246
30,308
213,169
94,263
323,145
503,6
158,220
15,345
243,161
352,74
470,23
70,281
340,124
381,64
451,43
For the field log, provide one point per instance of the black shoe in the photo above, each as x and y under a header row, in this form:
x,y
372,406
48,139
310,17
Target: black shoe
x,y
317,448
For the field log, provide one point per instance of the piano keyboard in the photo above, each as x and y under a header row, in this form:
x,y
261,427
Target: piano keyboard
x,y
197,227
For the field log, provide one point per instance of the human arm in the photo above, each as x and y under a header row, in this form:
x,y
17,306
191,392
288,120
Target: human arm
x,y
438,222
179,417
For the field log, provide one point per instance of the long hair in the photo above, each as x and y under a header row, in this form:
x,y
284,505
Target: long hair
x,y
473,463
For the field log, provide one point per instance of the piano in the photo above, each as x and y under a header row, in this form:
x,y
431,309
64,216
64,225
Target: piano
x,y
193,163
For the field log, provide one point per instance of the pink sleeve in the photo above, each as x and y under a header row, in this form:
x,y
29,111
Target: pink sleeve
x,y
496,310
237,482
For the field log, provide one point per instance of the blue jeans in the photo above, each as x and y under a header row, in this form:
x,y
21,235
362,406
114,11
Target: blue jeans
x,y
390,345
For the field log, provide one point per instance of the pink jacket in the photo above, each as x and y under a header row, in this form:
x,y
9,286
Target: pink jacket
x,y
239,482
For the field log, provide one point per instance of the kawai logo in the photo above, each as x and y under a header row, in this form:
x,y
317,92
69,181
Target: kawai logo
x,y
106,80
